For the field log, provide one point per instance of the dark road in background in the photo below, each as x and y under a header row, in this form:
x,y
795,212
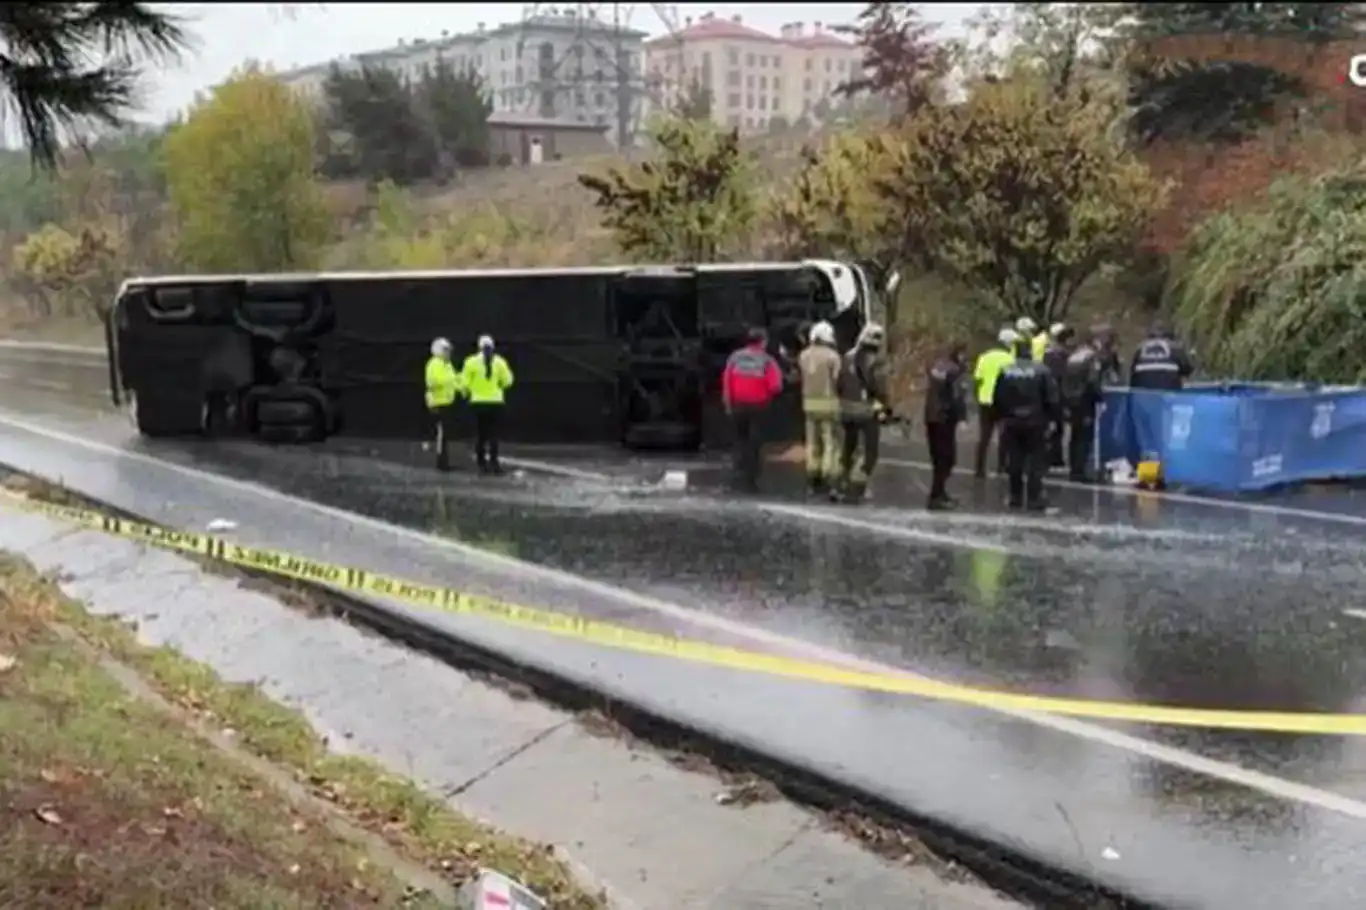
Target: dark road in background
x,y
1164,600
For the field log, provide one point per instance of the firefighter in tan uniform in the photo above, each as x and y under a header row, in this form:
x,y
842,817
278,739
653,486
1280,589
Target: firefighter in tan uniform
x,y
820,368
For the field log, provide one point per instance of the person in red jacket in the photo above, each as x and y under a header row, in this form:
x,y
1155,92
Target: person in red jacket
x,y
749,383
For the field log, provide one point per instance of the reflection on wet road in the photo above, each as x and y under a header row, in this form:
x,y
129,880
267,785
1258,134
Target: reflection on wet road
x,y
1117,597
1122,598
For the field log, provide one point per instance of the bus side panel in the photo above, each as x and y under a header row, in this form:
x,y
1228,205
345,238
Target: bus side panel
x,y
552,329
779,300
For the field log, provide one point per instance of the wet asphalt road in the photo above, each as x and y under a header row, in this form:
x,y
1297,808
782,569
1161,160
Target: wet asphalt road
x,y
1117,597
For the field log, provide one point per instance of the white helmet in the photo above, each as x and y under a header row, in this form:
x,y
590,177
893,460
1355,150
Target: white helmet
x,y
440,347
822,333
1007,337
1056,329
485,341
1026,326
872,334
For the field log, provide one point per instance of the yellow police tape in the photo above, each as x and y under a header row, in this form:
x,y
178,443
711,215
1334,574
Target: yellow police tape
x,y
579,628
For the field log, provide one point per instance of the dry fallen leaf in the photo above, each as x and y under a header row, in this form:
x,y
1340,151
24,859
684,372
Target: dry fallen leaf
x,y
172,812
50,777
7,662
294,869
48,814
299,827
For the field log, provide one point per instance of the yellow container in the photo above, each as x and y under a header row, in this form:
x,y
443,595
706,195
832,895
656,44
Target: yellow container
x,y
1148,473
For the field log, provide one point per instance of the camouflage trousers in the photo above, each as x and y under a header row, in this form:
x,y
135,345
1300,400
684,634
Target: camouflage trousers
x,y
822,447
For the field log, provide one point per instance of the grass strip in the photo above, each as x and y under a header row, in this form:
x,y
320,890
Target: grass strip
x,y
112,802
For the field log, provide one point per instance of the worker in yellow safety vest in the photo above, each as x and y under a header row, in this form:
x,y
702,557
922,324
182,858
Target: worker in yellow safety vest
x,y
985,372
443,388
1038,339
485,378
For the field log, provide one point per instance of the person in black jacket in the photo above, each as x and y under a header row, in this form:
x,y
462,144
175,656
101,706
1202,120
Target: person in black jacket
x,y
1060,345
945,407
1026,404
864,406
1161,362
1088,369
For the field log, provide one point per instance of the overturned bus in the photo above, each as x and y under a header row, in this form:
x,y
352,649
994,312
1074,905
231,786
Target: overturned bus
x,y
621,354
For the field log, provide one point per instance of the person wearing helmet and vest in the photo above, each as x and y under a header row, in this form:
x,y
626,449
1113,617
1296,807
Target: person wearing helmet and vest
x,y
1028,330
750,381
864,406
985,373
485,378
443,388
820,372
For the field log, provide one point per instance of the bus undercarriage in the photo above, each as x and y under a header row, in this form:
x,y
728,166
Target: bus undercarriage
x,y
605,355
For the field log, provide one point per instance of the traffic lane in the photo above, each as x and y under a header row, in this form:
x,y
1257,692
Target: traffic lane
x,y
43,378
1347,498
1003,778
934,634
1019,603
36,387
77,377
472,560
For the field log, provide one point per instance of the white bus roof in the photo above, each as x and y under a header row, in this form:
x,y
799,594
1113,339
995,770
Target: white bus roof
x,y
476,273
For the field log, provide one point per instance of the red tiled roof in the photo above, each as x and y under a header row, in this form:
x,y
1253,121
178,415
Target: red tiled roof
x,y
717,29
824,39
720,29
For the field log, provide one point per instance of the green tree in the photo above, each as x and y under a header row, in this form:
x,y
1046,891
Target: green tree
x,y
1070,46
380,134
1018,196
695,103
456,108
68,274
832,208
66,65
1182,88
1277,290
27,200
693,201
240,175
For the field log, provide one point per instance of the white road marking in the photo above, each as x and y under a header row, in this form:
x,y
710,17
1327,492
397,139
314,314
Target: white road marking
x,y
41,346
50,384
1263,508
1268,784
1355,614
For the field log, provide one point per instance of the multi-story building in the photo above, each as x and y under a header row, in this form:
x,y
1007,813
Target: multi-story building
x,y
563,66
754,78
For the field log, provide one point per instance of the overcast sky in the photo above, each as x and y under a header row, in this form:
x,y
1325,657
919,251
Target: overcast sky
x,y
289,35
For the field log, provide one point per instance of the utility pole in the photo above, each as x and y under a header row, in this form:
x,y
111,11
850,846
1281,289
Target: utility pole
x,y
626,87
